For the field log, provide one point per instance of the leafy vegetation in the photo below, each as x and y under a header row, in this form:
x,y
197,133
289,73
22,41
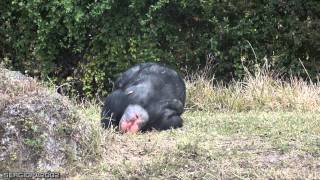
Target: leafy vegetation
x,y
263,123
81,46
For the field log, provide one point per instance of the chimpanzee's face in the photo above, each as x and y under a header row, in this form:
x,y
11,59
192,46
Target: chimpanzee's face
x,y
133,119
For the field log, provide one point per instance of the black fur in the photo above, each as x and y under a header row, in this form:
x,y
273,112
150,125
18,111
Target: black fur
x,y
156,88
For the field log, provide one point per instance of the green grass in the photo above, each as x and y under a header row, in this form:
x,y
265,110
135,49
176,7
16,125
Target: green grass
x,y
215,145
258,128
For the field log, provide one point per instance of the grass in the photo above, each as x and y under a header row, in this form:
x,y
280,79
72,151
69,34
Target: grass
x,y
264,92
258,128
216,145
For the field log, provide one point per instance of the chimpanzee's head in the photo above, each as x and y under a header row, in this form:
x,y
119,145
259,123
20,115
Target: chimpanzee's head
x,y
133,119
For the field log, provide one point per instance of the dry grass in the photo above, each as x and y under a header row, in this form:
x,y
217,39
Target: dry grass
x,y
263,91
215,146
261,127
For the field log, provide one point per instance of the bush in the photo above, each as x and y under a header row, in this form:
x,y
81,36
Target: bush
x,y
85,44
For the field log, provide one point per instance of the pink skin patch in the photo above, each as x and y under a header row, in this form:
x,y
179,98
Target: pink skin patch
x,y
131,125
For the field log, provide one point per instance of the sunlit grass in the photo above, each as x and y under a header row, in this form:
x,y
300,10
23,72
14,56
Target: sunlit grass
x,y
261,127
217,145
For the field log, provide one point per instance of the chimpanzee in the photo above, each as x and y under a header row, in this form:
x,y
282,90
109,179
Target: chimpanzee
x,y
145,97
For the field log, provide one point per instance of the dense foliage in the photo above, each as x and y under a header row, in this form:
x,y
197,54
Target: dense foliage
x,y
86,43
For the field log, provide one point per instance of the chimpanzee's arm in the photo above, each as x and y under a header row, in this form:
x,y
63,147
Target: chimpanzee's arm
x,y
169,112
113,108
170,119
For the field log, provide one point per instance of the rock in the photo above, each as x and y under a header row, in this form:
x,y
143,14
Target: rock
x,y
39,129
